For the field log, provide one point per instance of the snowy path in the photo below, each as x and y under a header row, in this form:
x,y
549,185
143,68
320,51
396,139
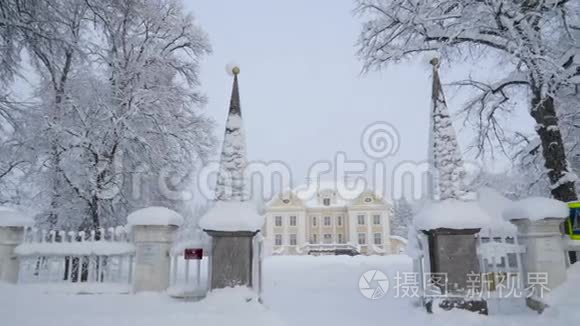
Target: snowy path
x,y
308,290
301,291
314,291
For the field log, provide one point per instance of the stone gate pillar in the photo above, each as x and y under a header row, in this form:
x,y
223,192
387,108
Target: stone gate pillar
x,y
232,257
10,237
453,257
544,263
12,225
453,252
232,227
545,251
153,232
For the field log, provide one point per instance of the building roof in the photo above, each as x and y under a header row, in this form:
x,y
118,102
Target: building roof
x,y
341,194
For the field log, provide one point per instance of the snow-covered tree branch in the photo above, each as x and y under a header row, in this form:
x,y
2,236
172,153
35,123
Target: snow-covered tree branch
x,y
116,116
538,39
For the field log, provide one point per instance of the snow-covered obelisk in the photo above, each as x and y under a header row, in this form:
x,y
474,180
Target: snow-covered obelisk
x,y
446,165
233,221
449,222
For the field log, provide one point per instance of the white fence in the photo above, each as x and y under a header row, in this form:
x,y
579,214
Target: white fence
x,y
500,259
502,273
96,261
103,261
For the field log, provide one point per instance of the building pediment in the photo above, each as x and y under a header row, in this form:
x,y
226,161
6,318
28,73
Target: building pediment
x,y
369,198
285,200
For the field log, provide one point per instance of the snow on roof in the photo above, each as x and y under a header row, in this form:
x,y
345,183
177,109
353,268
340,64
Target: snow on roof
x,y
155,215
452,214
345,191
12,217
536,208
232,216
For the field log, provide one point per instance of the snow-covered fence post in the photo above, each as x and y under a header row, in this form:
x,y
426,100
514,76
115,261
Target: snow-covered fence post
x,y
232,226
153,230
538,223
12,225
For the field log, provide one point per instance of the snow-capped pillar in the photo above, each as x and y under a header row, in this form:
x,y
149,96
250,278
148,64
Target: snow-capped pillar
x,y
153,230
451,227
12,226
538,223
10,237
232,226
545,256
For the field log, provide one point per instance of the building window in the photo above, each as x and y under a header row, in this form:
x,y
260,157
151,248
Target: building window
x,y
362,238
278,221
328,238
313,238
326,201
339,220
377,219
313,220
368,199
327,221
278,240
340,238
292,220
361,219
293,239
378,239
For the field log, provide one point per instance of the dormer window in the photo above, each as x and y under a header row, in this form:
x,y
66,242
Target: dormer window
x,y
326,201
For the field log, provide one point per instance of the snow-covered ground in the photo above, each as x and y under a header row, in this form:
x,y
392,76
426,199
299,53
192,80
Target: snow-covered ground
x,y
300,291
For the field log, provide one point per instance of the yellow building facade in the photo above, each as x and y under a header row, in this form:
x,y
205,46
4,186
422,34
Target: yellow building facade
x,y
329,221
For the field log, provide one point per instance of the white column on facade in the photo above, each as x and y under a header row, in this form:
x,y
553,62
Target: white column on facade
x,y
301,227
333,220
285,233
370,238
352,237
319,222
307,222
270,231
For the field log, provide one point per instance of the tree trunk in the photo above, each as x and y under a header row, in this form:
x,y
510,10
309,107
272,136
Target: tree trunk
x,y
56,184
544,113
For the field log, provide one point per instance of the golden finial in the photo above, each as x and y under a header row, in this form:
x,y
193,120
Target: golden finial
x,y
434,62
235,70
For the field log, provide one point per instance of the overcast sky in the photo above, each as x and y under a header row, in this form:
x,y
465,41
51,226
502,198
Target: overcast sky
x,y
303,96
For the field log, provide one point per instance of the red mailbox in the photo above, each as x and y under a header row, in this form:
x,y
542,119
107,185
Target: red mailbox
x,y
193,253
